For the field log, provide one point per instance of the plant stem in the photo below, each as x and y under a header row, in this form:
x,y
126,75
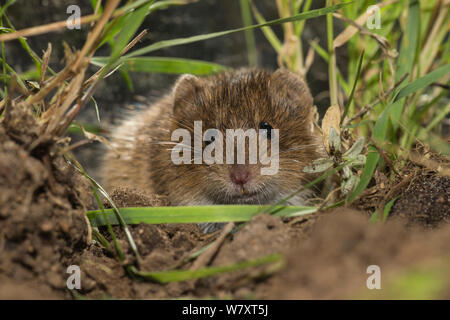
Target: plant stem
x,y
332,62
249,34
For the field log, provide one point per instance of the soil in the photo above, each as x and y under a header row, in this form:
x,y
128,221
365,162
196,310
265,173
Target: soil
x,y
333,263
43,230
42,211
426,201
326,258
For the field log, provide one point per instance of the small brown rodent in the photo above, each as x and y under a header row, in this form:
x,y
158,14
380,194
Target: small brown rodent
x,y
241,99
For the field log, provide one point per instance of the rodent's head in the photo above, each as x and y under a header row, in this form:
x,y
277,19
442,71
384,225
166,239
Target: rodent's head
x,y
245,99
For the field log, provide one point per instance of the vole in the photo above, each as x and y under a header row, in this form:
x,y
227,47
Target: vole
x,y
243,99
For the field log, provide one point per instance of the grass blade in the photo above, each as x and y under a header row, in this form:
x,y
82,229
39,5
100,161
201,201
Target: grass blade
x,y
386,210
423,82
406,58
4,7
358,72
268,32
131,24
199,214
405,61
180,41
164,65
183,275
249,35
332,76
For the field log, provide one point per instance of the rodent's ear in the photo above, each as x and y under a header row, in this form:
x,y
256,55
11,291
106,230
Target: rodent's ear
x,y
184,92
287,87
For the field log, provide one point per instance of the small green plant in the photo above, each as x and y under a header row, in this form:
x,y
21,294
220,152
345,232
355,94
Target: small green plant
x,y
352,159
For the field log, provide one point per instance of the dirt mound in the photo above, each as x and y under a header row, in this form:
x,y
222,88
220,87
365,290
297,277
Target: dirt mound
x,y
163,247
426,201
327,256
42,211
333,263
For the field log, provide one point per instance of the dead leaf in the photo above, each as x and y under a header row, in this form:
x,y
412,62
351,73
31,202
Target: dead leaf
x,y
331,119
45,61
93,137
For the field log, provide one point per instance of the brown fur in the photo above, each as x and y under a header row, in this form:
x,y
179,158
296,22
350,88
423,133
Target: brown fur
x,y
231,100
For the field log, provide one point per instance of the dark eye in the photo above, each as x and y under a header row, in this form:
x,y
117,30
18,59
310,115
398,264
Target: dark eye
x,y
265,126
211,139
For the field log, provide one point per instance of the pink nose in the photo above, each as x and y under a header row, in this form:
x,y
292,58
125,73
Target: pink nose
x,y
240,175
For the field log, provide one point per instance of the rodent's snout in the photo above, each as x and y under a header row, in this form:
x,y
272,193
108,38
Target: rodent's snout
x,y
240,175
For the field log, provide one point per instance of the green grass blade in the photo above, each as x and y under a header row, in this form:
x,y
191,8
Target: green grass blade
x,y
9,69
113,28
97,113
199,214
388,207
133,5
5,6
180,41
93,128
164,65
131,25
249,35
358,72
332,76
268,32
183,275
386,210
423,82
126,77
164,4
437,119
366,175
301,24
406,58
